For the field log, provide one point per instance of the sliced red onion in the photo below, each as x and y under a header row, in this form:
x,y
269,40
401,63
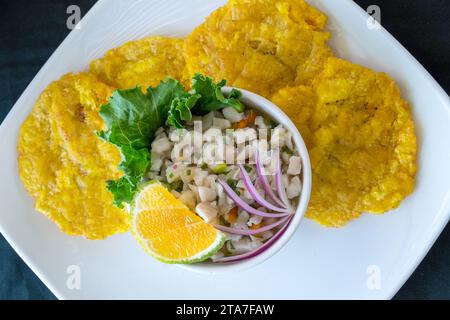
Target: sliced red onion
x,y
250,232
258,182
265,184
280,188
245,206
257,251
255,194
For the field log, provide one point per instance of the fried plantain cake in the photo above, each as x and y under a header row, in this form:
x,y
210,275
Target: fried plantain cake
x,y
259,45
64,165
143,62
360,136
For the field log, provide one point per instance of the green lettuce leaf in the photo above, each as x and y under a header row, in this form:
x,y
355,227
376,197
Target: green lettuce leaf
x,y
132,118
180,110
211,96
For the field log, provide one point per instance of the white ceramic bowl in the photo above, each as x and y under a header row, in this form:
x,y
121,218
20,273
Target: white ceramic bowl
x,y
268,108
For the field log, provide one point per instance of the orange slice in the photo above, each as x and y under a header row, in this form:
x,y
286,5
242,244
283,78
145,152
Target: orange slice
x,y
169,231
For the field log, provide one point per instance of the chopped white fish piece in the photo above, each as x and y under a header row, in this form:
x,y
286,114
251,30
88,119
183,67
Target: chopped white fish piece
x,y
245,135
219,190
153,175
234,173
230,201
260,190
176,135
206,211
194,189
210,181
159,131
207,121
224,206
242,218
177,153
240,184
195,119
260,122
207,194
187,138
161,145
212,134
157,162
278,137
217,256
188,198
199,176
248,197
294,188
268,221
272,181
266,235
285,180
173,172
254,219
244,153
295,165
186,175
234,237
228,138
216,153
209,153
221,123
232,115
289,140
243,245
285,157
262,145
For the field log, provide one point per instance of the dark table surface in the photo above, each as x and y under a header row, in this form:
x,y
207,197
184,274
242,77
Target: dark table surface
x,y
31,30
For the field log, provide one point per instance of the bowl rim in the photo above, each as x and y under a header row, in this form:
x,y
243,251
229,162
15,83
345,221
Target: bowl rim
x,y
266,106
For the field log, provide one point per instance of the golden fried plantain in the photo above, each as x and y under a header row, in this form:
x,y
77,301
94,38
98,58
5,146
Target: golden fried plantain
x,y
259,45
69,184
38,153
361,141
143,62
81,205
76,100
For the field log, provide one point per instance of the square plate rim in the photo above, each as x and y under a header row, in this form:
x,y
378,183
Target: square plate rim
x,y
437,228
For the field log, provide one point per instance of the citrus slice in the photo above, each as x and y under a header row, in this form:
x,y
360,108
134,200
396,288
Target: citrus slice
x,y
169,231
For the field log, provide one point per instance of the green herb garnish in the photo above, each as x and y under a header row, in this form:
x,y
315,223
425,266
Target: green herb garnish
x,y
287,150
179,187
223,221
220,168
232,183
204,166
270,123
211,96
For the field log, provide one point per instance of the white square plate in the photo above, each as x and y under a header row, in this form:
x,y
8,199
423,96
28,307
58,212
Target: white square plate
x,y
317,262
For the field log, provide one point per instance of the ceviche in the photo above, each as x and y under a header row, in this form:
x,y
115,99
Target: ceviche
x,y
229,165
228,185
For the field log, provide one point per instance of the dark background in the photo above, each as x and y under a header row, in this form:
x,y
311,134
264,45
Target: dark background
x,y
31,30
